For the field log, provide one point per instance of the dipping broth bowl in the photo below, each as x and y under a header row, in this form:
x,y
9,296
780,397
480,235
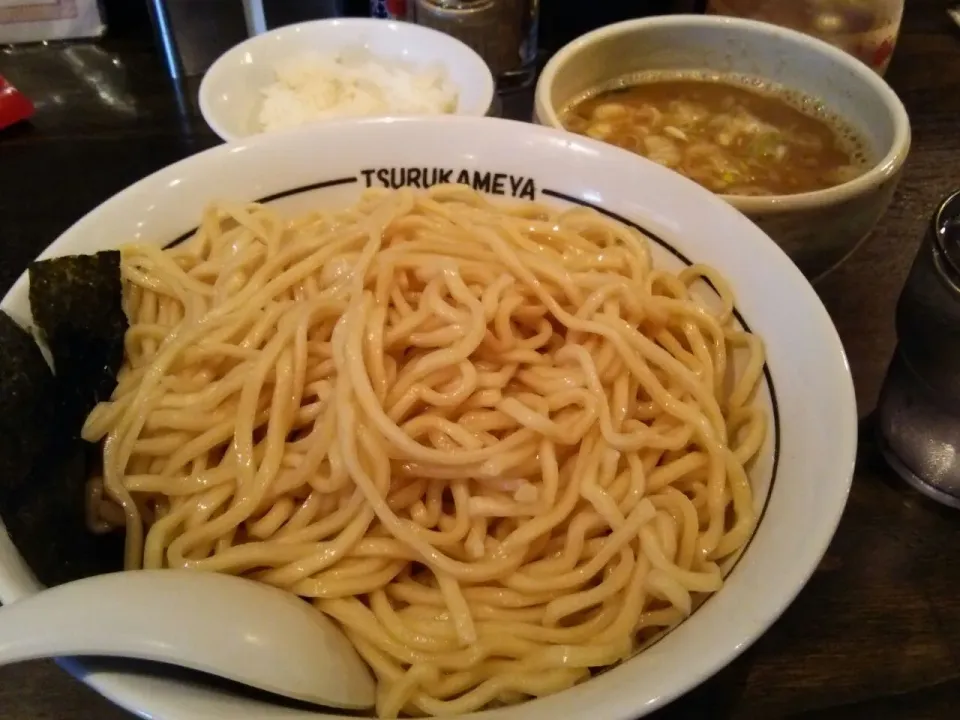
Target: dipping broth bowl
x,y
819,229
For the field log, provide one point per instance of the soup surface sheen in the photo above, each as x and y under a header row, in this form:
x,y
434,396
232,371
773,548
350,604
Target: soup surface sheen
x,y
734,135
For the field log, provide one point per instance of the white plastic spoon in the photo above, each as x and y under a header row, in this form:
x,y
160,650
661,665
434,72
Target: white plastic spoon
x,y
226,626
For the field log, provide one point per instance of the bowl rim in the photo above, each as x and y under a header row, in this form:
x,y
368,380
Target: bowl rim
x,y
223,64
125,686
885,169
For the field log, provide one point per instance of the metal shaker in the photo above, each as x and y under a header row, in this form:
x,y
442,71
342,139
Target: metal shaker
x,y
918,416
503,32
191,34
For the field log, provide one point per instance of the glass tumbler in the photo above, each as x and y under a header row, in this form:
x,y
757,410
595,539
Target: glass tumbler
x,y
867,29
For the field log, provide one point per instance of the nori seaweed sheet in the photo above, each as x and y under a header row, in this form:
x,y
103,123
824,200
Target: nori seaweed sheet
x,y
47,522
26,402
77,306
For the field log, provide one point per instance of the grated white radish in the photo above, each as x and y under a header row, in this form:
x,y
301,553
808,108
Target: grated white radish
x,y
312,86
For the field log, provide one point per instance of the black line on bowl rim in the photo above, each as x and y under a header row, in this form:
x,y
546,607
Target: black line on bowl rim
x,y
307,188
270,198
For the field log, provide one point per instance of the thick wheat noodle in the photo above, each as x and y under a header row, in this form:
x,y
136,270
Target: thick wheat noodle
x,y
492,441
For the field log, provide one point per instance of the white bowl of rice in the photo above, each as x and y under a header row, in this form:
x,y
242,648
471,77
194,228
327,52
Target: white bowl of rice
x,y
354,67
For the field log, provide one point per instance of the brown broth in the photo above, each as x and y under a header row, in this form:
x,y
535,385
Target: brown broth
x,y
733,136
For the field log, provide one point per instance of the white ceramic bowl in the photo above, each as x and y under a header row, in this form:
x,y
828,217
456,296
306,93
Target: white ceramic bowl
x,y
817,229
231,90
800,480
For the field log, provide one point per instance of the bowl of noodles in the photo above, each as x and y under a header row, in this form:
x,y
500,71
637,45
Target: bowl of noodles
x,y
543,444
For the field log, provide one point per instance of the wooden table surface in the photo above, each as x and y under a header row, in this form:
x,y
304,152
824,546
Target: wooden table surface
x,y
876,632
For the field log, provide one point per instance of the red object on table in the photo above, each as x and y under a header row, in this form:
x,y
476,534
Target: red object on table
x,y
397,8
14,105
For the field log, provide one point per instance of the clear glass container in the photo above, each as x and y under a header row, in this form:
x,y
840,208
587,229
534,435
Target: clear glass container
x,y
867,29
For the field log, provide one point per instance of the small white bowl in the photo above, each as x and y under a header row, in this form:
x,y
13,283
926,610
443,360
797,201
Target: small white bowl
x,y
231,92
800,479
818,230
